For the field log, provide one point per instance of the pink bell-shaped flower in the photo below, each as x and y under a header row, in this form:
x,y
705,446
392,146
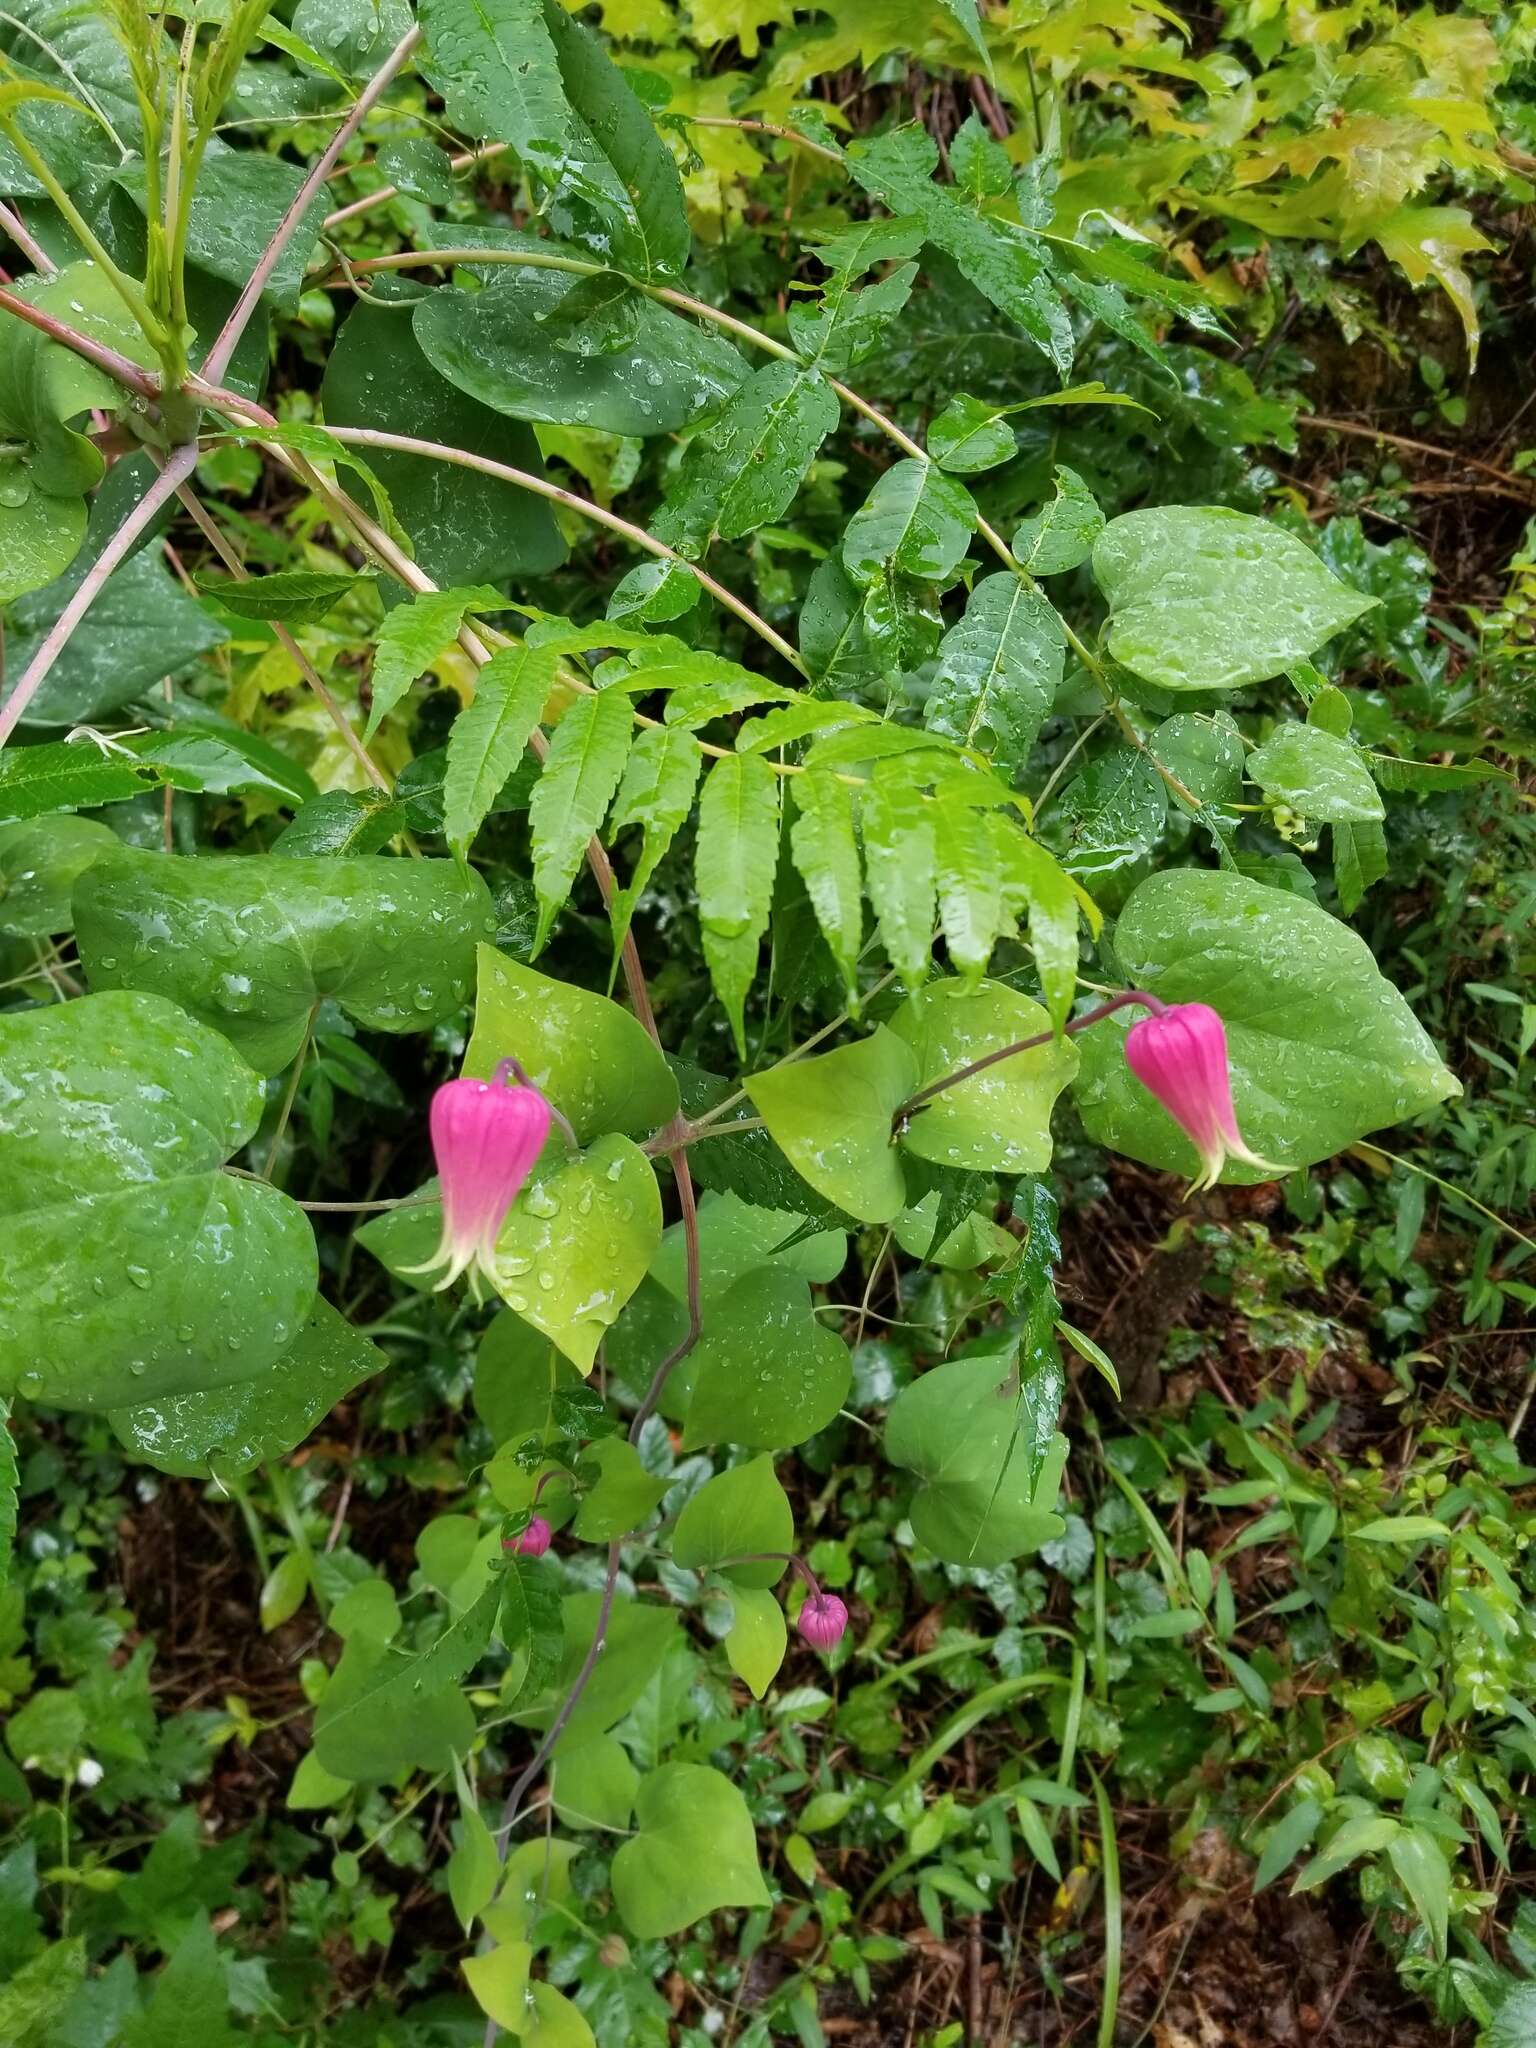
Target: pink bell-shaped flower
x,y
534,1540
1180,1054
486,1136
822,1621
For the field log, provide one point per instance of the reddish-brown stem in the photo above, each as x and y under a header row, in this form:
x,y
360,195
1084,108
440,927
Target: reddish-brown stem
x,y
120,368
913,1103
795,1562
179,465
192,504
464,458
26,241
216,362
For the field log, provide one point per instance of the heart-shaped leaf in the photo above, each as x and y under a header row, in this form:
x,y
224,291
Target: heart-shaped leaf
x,y
694,1851
598,1065
1202,598
997,1121
231,1430
988,1492
577,1244
831,1117
733,1515
1322,1047
253,943
134,1269
765,1373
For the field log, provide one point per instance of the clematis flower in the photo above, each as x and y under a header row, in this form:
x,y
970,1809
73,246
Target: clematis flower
x,y
486,1136
822,1621
534,1540
1180,1054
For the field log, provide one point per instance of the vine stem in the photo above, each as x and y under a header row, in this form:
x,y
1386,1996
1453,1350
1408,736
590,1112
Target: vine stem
x,y
217,360
179,465
1130,996
26,241
209,529
702,310
120,368
462,458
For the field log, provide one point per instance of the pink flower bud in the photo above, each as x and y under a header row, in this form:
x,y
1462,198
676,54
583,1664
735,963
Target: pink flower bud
x,y
822,1621
1180,1054
534,1540
485,1138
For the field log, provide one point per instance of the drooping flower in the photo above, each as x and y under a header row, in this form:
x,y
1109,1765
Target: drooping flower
x,y
1180,1055
534,1540
822,1621
486,1136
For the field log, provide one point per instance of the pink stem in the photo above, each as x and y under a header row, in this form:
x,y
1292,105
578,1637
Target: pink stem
x,y
122,369
217,360
1006,1052
179,465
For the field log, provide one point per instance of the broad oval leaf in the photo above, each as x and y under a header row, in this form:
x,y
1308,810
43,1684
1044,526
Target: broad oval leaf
x,y
831,1117
490,344
1202,598
1322,1047
998,1121
694,1850
598,1065
765,1373
253,943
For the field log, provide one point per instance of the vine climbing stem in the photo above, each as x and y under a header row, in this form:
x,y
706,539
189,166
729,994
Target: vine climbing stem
x,y
683,302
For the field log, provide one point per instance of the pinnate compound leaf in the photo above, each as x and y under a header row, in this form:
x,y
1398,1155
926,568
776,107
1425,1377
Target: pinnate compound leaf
x,y
916,522
971,434
972,909
656,794
496,69
999,259
900,863
298,597
746,468
1202,598
739,1511
571,798
831,1116
1318,774
489,737
1036,887
999,670
168,1275
997,1121
694,1850
735,860
523,72
253,943
824,848
411,638
1322,1047
1060,536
